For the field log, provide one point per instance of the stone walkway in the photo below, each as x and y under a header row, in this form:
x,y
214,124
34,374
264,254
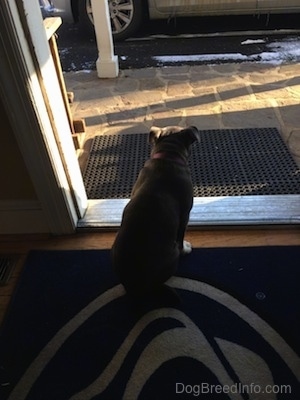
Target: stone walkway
x,y
224,96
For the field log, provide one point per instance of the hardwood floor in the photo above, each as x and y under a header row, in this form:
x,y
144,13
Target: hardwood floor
x,y
242,237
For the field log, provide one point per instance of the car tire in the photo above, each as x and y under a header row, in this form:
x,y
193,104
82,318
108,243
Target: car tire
x,y
124,22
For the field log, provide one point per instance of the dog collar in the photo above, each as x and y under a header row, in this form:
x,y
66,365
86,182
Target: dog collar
x,y
169,156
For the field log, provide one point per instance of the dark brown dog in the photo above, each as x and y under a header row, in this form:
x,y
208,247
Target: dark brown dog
x,y
147,247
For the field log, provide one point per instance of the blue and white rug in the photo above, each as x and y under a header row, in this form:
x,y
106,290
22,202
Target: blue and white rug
x,y
71,332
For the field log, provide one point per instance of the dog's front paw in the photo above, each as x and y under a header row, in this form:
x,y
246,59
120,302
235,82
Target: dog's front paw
x,y
186,247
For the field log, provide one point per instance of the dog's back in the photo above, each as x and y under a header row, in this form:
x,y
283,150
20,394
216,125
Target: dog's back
x,y
145,251
147,247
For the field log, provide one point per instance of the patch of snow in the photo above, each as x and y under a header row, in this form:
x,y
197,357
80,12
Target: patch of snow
x,y
253,41
84,71
280,52
88,65
66,50
288,50
290,46
201,57
268,57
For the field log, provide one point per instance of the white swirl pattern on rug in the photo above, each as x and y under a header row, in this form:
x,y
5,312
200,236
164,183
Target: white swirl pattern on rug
x,y
186,340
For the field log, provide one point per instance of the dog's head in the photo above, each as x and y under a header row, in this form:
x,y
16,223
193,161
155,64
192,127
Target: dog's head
x,y
190,134
173,138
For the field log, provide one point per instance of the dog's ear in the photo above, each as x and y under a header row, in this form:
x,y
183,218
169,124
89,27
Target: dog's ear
x,y
193,134
154,134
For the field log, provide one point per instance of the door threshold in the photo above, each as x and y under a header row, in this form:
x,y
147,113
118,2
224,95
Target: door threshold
x,y
207,211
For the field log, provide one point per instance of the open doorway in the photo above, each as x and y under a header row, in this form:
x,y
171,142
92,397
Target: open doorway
x,y
130,104
120,112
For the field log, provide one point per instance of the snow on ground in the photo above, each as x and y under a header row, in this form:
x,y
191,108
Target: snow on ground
x,y
201,57
287,50
277,52
253,41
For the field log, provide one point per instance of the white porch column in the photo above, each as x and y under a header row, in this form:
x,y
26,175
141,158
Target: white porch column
x,y
107,63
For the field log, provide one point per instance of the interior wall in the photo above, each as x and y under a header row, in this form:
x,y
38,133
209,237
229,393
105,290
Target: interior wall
x,y
15,182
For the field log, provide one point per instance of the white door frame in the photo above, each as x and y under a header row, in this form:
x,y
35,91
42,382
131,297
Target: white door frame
x,y
32,97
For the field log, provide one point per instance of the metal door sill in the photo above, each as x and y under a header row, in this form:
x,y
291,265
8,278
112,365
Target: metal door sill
x,y
207,211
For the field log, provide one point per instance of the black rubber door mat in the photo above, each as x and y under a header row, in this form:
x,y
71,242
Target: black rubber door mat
x,y
227,162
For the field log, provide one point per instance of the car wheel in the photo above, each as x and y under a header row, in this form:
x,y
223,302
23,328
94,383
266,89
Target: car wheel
x,y
125,16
